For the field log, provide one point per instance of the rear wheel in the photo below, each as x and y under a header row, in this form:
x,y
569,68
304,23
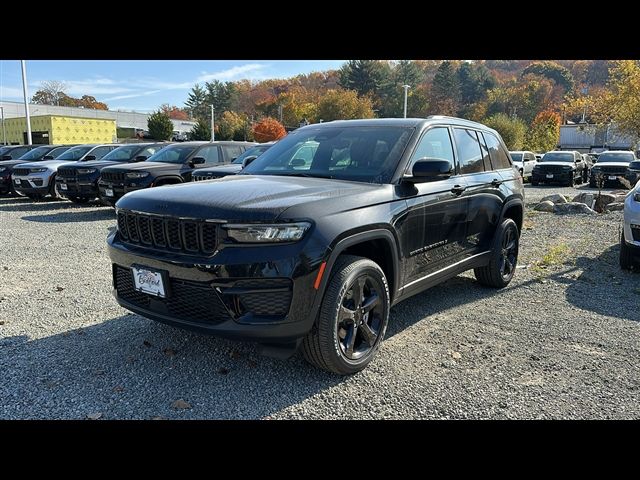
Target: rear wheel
x,y
504,257
626,258
353,317
53,188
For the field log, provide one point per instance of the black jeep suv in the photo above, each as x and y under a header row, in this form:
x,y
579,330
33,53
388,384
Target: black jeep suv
x,y
290,252
78,181
232,168
171,165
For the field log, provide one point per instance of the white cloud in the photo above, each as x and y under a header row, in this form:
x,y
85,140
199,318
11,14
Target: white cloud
x,y
244,71
10,92
132,95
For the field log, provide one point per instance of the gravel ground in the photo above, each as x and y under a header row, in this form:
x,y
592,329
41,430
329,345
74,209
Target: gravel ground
x,y
562,341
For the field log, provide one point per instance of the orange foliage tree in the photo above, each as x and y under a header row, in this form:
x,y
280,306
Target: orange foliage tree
x,y
267,130
174,112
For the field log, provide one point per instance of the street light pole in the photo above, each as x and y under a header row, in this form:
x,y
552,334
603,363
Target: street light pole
x,y
213,123
406,89
4,132
26,102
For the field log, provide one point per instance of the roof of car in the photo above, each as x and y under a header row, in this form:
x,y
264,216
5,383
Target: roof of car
x,y
402,122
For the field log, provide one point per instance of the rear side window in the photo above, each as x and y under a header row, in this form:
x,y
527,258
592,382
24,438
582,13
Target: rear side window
x,y
499,157
232,151
210,154
436,143
100,152
469,152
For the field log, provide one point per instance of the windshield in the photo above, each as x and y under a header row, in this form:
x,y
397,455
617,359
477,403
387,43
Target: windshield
x,y
122,154
3,149
35,154
516,157
75,153
56,152
357,153
634,165
557,157
173,154
616,157
257,151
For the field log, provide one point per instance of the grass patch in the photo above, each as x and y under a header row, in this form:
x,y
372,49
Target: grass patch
x,y
556,255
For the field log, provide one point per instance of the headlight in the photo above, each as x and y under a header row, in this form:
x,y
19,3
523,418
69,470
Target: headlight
x,y
286,232
84,171
567,168
37,170
137,174
595,169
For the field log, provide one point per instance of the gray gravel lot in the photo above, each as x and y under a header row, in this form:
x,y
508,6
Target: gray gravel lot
x,y
562,341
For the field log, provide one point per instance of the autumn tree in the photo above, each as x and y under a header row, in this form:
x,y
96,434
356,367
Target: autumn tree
x,y
553,71
544,133
363,76
445,90
512,130
200,131
267,130
621,103
475,81
50,93
231,126
343,105
160,126
174,112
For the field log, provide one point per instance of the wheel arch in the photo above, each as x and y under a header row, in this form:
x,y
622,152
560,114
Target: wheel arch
x,y
167,180
514,210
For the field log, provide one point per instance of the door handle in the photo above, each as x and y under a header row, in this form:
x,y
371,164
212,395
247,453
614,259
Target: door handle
x,y
458,189
495,182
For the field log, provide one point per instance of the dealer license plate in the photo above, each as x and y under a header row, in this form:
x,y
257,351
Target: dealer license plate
x,y
549,175
612,177
63,186
108,192
148,281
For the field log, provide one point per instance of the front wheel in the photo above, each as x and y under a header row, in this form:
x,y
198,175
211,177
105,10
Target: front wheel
x,y
626,258
504,257
353,317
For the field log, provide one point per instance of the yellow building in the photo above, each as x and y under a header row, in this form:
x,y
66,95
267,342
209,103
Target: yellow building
x,y
60,130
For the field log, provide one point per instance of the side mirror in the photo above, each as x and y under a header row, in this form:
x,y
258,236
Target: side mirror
x,y
47,157
140,158
196,161
7,157
428,169
248,160
297,162
88,158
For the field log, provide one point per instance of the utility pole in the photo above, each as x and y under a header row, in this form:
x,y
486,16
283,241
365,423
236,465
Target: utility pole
x,y
4,132
213,123
26,100
406,89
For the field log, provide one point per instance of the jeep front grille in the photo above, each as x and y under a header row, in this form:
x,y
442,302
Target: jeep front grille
x,y
112,176
168,233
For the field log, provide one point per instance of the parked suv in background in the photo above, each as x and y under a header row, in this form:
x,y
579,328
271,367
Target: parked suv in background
x,y
37,179
79,181
632,175
43,152
563,167
524,161
290,252
630,236
613,165
170,166
12,152
232,168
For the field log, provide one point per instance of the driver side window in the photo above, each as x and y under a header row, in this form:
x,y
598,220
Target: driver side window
x,y
436,143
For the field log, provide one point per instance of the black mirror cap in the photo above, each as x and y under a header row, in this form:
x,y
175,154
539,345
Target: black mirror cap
x,y
197,161
7,157
427,169
140,158
47,157
248,160
88,158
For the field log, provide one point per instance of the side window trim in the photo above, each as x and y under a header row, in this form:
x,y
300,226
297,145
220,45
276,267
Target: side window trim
x,y
453,138
407,170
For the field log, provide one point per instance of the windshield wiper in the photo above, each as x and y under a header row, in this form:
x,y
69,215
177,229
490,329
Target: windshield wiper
x,y
304,174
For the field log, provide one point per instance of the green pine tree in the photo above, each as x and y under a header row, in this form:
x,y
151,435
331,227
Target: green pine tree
x,y
160,126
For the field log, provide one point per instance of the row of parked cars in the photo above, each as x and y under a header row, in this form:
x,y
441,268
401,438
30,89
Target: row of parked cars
x,y
82,173
568,167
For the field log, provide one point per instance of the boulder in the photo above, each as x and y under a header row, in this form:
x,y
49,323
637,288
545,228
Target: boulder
x,y
555,198
602,201
621,198
614,207
546,206
572,208
586,198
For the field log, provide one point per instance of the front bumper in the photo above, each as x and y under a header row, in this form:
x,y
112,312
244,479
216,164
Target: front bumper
x,y
608,178
558,177
118,190
74,187
632,221
270,300
32,184
5,183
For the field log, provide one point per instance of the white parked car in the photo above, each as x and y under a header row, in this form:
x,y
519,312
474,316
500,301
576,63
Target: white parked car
x,y
524,161
630,238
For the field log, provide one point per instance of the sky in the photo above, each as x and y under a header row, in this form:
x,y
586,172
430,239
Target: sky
x,y
144,85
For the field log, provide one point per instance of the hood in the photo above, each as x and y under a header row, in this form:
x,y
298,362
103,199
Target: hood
x,y
146,167
611,164
94,164
248,198
51,164
11,163
556,164
230,168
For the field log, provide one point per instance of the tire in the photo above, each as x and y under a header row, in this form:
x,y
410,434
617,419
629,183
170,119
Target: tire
x,y
499,272
79,200
585,176
572,181
53,189
592,183
626,258
327,344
